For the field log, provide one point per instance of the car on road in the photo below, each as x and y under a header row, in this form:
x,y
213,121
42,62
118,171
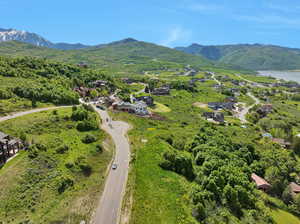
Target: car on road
x,y
114,166
100,107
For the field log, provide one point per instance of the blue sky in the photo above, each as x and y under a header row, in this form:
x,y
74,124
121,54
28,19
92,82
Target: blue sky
x,y
166,22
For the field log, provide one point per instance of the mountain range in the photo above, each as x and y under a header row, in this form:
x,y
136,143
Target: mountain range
x,y
241,56
249,56
35,39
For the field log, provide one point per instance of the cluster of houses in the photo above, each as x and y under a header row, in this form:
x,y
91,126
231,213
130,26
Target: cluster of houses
x,y
9,146
85,91
262,184
138,108
161,91
216,116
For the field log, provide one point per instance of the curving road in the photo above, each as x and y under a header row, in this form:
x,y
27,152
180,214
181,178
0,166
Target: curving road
x,y
20,114
214,78
109,208
242,114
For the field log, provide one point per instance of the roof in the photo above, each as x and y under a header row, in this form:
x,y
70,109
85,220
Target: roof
x,y
3,135
295,187
268,135
280,141
259,181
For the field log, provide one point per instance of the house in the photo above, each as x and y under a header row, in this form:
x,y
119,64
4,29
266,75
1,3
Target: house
x,y
99,83
235,82
216,116
261,183
221,105
265,109
139,108
147,99
281,142
82,65
231,99
82,91
164,90
8,147
294,188
128,80
123,106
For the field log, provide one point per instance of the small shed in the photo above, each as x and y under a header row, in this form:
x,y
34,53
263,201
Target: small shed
x,y
261,183
295,188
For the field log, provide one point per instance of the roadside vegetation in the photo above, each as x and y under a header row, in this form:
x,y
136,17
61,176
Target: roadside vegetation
x,y
60,177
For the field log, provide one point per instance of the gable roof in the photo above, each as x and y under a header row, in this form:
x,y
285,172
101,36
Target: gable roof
x,y
3,135
295,187
259,180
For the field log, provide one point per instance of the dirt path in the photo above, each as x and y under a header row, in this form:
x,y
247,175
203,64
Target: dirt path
x,y
109,208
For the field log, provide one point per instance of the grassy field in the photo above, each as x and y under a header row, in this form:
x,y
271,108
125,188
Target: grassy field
x,y
52,185
283,217
160,108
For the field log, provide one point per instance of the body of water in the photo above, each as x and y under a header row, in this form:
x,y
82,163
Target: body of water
x,y
286,75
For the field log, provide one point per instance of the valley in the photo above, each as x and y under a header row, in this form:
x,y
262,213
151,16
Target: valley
x,y
132,132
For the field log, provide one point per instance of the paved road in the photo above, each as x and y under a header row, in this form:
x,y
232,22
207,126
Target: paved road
x,y
20,114
138,92
109,208
242,114
214,78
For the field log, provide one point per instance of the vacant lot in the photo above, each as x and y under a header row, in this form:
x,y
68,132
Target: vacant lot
x,y
57,181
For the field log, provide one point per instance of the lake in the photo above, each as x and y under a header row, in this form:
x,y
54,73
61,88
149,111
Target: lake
x,y
286,75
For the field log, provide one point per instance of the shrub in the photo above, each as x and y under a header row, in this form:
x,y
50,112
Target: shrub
x,y
87,125
62,149
99,148
64,183
89,139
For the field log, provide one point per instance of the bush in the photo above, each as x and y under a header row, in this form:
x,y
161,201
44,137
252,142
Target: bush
x,y
62,149
64,183
79,114
99,148
89,139
87,125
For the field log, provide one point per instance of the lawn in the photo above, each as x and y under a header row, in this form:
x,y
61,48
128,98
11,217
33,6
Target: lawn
x,y
160,108
283,217
50,185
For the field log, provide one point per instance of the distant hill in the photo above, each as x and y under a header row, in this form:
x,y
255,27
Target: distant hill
x,y
125,53
35,39
249,56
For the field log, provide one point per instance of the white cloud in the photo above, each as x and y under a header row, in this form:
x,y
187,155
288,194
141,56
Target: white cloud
x,y
176,34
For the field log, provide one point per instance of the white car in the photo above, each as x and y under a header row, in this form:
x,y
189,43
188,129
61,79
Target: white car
x,y
114,166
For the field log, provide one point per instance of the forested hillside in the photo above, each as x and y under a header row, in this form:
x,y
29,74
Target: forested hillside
x,y
247,56
128,55
26,82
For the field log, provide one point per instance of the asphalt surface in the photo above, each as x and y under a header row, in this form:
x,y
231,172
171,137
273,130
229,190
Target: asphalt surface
x,y
242,114
20,114
109,208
